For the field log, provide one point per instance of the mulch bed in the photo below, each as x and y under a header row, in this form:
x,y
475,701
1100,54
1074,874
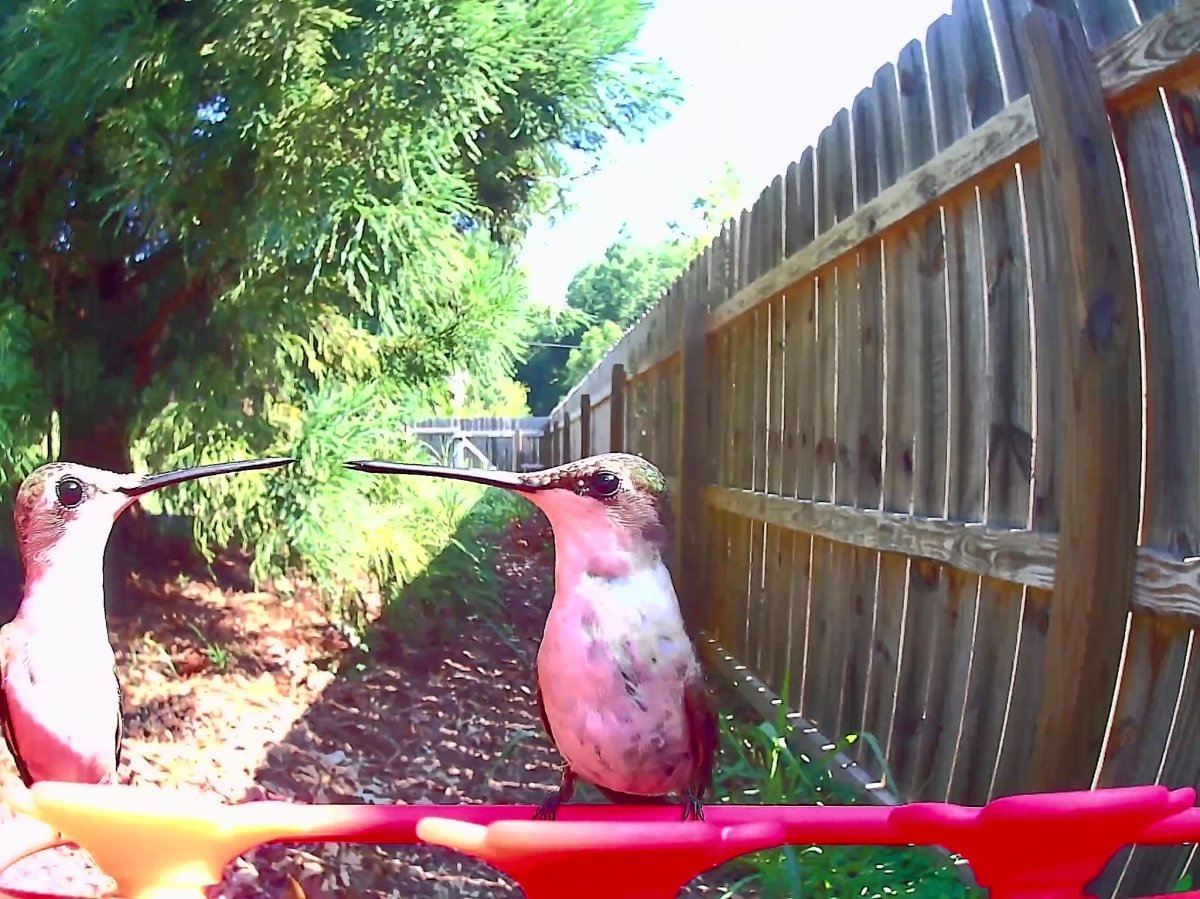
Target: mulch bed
x,y
292,712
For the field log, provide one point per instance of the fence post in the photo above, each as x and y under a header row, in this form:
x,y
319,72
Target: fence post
x,y
566,437
544,444
516,447
691,535
585,425
616,410
1101,386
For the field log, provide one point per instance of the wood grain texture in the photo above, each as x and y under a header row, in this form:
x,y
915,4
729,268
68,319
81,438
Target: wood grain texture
x,y
1014,262
776,589
822,684
1100,444
802,350
922,443
841,574
585,425
718,615
765,452
1163,585
757,600
694,431
718,371
1009,402
1004,139
847,565
946,48
866,441
997,605
741,449
892,581
789,663
1160,53
565,449
1180,763
1137,61
616,408
1160,194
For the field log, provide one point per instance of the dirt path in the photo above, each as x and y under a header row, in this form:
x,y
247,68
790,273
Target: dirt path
x,y
419,721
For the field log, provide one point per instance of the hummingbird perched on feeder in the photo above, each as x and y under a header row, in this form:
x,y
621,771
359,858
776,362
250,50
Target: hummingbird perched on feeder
x,y
619,687
60,700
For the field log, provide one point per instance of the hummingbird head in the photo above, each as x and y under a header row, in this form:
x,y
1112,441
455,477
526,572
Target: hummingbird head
x,y
64,510
612,500
624,491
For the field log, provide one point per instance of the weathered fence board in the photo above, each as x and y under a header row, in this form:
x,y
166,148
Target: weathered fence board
x,y
511,444
917,490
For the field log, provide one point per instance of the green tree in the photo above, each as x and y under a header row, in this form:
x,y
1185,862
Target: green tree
x,y
596,341
232,227
557,331
605,297
200,190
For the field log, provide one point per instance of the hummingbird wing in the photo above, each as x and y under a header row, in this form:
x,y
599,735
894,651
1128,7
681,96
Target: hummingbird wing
x,y
7,659
542,712
120,720
703,732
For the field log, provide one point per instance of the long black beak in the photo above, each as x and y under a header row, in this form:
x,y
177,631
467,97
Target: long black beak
x,y
155,481
505,479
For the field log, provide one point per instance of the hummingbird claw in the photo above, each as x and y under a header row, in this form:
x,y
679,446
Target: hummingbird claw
x,y
693,808
547,809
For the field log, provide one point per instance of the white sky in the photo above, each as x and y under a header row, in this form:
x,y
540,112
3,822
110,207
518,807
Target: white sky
x,y
760,79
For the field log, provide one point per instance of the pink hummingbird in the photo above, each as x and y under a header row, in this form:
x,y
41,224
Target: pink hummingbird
x,y
60,700
619,687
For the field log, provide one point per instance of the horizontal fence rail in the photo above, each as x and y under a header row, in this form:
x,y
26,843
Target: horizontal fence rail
x,y
930,413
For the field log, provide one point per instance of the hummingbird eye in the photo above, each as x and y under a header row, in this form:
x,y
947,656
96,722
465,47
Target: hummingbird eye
x,y
70,492
605,484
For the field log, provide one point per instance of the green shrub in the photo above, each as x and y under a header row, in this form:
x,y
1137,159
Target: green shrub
x,y
759,766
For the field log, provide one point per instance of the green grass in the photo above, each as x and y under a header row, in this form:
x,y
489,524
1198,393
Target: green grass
x,y
461,577
217,655
758,766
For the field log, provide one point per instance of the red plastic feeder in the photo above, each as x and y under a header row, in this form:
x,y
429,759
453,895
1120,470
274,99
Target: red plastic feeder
x,y
160,846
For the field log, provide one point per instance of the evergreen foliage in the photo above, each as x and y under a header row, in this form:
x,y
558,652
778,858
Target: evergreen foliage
x,y
609,295
236,227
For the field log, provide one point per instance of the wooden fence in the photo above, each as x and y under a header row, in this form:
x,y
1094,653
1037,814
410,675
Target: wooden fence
x,y
511,444
958,334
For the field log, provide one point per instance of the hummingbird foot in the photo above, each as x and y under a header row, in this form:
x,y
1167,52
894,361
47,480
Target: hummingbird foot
x,y
547,809
693,808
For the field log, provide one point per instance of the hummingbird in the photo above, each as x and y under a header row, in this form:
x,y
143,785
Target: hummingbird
x,y
60,699
620,689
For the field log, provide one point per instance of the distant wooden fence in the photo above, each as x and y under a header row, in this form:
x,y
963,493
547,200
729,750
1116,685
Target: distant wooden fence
x,y
511,444
931,412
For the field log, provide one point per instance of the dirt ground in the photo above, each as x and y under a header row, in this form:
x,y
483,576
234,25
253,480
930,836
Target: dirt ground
x,y
269,701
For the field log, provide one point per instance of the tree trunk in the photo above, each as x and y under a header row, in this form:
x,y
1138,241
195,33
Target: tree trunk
x,y
95,430
99,441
